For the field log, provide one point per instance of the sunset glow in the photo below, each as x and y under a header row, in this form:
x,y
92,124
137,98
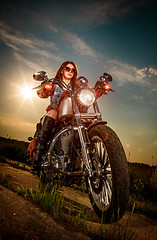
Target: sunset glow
x,y
103,36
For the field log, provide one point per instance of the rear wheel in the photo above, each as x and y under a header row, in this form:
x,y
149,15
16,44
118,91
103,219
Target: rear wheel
x,y
109,186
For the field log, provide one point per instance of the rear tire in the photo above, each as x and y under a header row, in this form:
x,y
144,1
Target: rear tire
x,y
109,187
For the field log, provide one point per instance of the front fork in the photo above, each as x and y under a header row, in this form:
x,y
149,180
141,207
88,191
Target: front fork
x,y
85,151
83,139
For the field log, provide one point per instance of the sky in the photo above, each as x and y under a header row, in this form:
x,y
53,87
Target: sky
x,y
118,37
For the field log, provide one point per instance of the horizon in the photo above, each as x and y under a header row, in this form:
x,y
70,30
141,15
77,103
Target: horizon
x,y
128,160
117,37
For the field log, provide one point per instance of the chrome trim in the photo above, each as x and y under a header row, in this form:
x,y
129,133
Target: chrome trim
x,y
88,115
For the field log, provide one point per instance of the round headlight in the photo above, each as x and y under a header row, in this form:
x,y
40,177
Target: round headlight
x,y
86,97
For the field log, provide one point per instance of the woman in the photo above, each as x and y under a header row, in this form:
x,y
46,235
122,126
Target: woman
x,y
68,73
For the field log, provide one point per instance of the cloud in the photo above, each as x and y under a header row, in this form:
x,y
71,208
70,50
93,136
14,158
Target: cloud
x,y
16,40
79,45
46,22
141,73
137,98
35,52
27,47
26,61
155,142
16,123
120,71
153,71
95,13
124,72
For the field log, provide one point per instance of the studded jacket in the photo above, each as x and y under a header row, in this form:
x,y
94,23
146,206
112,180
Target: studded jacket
x,y
56,94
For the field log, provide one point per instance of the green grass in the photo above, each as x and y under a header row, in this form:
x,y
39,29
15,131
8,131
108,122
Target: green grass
x,y
143,191
51,200
14,164
4,180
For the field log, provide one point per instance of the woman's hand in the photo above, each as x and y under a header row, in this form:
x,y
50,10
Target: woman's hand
x,y
45,90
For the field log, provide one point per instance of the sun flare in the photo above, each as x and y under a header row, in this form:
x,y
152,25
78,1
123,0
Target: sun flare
x,y
27,92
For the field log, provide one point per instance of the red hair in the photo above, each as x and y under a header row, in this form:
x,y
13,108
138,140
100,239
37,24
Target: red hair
x,y
74,78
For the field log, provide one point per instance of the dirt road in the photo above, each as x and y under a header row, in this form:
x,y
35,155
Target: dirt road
x,y
21,219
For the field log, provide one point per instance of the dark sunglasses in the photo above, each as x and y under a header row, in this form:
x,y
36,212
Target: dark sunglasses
x,y
68,69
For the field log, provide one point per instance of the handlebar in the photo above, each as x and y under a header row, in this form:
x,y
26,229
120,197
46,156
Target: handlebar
x,y
112,90
102,84
53,81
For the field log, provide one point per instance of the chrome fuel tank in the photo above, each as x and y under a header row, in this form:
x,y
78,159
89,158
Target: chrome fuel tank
x,y
65,109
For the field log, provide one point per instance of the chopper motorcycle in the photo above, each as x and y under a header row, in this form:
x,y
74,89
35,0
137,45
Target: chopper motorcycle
x,y
84,147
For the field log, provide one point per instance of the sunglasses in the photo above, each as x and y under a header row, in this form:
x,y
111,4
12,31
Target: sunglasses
x,y
68,69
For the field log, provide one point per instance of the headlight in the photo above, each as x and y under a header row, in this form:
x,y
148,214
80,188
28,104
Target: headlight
x,y
86,96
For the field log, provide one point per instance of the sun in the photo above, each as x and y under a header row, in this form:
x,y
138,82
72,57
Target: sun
x,y
27,92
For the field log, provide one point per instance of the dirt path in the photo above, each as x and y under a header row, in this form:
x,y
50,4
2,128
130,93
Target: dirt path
x,y
21,219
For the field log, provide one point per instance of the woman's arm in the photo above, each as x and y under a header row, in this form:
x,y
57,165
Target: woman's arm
x,y
45,92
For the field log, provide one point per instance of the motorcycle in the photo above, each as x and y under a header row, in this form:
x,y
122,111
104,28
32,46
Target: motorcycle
x,y
84,148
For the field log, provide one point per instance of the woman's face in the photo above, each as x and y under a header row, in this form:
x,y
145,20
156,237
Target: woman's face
x,y
68,71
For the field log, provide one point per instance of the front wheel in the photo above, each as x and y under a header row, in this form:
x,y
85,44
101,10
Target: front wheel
x,y
109,185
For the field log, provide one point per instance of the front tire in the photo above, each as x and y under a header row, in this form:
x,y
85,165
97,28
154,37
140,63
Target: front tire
x,y
109,187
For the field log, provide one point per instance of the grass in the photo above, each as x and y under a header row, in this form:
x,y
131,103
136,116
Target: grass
x,y
147,208
14,164
51,200
4,179
143,193
13,149
116,232
139,201
143,189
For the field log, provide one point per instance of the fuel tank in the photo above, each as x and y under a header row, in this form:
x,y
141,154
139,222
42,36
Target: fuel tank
x,y
65,109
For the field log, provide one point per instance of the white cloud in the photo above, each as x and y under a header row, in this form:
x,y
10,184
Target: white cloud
x,y
47,22
141,73
29,63
153,71
16,40
27,47
34,52
79,45
124,72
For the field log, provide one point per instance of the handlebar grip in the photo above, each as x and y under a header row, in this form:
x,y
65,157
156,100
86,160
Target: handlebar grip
x,y
112,90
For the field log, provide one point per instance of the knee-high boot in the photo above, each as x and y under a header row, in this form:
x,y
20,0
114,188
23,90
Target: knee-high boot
x,y
45,134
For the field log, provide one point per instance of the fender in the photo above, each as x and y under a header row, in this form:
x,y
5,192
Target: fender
x,y
96,123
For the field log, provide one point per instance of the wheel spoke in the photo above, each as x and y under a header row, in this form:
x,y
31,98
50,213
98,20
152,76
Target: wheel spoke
x,y
101,184
107,161
105,199
108,189
101,151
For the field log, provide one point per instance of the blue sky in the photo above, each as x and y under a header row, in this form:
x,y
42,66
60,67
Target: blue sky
x,y
118,37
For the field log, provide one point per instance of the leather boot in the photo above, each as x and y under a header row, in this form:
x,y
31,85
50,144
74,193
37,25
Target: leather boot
x,y
45,134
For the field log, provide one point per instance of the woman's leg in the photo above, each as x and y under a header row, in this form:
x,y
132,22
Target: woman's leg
x,y
48,124
52,113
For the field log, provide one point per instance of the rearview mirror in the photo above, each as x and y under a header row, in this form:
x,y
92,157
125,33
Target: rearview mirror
x,y
107,77
40,76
